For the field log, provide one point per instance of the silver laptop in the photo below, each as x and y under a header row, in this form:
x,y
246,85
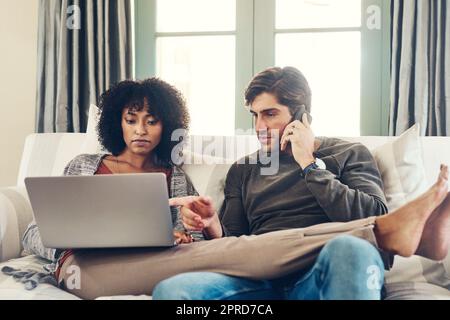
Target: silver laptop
x,y
102,211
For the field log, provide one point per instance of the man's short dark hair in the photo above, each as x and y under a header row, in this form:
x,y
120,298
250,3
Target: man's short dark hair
x,y
288,85
165,103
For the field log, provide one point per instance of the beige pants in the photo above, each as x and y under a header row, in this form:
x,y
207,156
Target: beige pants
x,y
106,272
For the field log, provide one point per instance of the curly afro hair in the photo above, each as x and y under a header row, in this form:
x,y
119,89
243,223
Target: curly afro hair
x,y
165,103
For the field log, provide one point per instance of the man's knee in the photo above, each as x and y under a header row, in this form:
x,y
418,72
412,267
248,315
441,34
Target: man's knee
x,y
187,286
350,268
350,252
178,287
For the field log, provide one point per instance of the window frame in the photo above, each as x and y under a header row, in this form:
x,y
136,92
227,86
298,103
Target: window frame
x,y
255,50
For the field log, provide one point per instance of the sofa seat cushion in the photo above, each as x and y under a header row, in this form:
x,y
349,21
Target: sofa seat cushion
x,y
416,291
10,289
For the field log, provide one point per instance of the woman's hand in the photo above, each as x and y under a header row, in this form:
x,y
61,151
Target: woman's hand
x,y
199,214
182,237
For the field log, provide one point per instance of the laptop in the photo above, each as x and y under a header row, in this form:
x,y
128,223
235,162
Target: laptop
x,y
102,211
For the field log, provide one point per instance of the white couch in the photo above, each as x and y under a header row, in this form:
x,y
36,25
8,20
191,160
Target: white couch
x,y
47,154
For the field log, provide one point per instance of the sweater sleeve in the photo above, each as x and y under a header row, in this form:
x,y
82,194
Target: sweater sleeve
x,y
356,193
178,224
232,214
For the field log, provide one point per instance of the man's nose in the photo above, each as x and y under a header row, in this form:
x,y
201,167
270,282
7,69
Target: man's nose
x,y
260,125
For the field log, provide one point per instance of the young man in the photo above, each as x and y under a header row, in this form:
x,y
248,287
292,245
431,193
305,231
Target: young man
x,y
319,180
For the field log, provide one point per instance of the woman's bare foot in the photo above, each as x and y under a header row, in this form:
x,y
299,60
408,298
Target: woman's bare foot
x,y
435,239
400,232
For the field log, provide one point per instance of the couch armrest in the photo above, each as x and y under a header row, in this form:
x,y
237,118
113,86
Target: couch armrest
x,y
15,215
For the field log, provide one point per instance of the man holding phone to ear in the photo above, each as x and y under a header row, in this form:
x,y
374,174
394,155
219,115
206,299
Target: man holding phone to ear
x,y
319,180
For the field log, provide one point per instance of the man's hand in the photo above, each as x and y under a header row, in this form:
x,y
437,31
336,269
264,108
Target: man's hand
x,y
199,214
302,139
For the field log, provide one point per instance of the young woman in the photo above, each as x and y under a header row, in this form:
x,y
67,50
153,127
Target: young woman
x,y
138,137
137,119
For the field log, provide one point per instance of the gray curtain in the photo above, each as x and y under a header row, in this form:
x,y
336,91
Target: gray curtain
x,y
420,69
84,46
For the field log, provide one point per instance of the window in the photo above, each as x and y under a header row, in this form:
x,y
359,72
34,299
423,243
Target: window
x,y
196,53
210,49
322,38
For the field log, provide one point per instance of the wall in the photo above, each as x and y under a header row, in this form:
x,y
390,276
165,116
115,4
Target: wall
x,y
18,58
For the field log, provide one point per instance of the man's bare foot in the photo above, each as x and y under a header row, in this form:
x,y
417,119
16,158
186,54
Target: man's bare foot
x,y
436,233
400,232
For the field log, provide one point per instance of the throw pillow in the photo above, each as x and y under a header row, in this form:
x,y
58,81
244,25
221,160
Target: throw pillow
x,y
402,170
91,144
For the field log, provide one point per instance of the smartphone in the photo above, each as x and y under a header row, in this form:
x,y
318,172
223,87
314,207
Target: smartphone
x,y
299,114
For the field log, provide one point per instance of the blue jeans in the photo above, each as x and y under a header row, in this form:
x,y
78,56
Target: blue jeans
x,y
347,268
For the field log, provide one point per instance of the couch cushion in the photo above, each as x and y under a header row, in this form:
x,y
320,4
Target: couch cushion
x,y
402,168
13,290
416,291
208,159
15,214
47,154
91,143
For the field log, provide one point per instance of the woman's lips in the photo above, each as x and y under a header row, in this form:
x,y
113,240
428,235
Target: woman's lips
x,y
141,142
